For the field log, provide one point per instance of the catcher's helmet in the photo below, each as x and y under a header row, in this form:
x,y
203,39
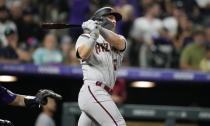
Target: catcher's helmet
x,y
106,11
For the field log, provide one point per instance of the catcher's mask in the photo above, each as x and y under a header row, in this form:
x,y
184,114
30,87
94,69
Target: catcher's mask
x,y
99,15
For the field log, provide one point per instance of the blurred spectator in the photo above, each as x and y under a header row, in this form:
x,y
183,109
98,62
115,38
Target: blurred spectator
x,y
119,94
185,30
203,3
161,49
196,16
12,53
31,45
188,5
144,4
29,28
171,22
16,14
27,4
205,62
5,23
81,8
194,53
48,54
205,11
133,3
176,52
163,5
16,10
207,33
46,117
71,58
125,25
54,11
142,31
65,46
2,3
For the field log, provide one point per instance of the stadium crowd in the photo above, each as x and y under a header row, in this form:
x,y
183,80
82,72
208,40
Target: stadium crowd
x,y
160,33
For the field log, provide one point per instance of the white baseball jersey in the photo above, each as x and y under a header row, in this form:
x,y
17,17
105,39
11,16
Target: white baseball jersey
x,y
103,63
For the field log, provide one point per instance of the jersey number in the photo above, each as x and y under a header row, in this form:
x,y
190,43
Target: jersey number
x,y
115,64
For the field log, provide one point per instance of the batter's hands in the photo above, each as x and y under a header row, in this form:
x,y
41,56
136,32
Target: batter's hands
x,y
5,123
91,27
44,93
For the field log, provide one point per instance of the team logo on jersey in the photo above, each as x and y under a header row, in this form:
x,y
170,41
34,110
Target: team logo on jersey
x,y
104,47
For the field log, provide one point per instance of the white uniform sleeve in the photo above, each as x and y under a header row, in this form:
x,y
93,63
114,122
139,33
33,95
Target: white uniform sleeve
x,y
82,39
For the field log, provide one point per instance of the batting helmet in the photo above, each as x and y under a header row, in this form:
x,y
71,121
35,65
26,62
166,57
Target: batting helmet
x,y
107,11
99,15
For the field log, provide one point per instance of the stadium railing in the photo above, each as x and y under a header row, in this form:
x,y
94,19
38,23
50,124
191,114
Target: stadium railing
x,y
128,73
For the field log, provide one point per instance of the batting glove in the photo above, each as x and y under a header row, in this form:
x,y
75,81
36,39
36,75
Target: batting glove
x,y
89,25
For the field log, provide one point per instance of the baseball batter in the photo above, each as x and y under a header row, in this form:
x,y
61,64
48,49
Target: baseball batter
x,y
100,52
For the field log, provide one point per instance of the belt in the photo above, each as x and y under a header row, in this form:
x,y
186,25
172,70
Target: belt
x,y
100,84
108,89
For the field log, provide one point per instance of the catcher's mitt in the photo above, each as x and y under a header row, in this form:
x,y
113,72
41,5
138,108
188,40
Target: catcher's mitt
x,y
44,93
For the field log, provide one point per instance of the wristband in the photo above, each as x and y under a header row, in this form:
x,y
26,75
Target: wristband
x,y
31,101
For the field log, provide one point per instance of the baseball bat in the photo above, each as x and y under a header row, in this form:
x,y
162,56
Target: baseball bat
x,y
58,26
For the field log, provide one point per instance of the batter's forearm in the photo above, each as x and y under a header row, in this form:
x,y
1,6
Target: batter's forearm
x,y
84,51
113,38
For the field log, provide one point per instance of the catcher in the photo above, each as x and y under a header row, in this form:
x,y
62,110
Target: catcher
x,y
9,98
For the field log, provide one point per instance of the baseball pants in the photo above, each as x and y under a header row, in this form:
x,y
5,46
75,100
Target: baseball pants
x,y
98,108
